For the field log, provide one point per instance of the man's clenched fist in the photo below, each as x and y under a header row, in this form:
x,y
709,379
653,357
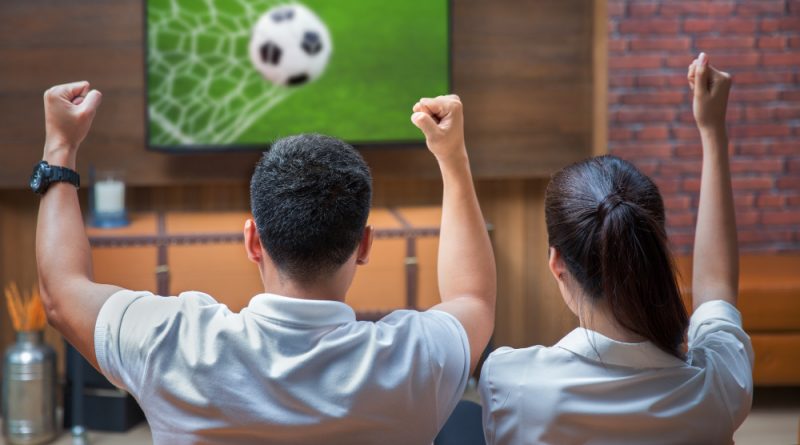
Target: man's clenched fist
x,y
442,121
68,113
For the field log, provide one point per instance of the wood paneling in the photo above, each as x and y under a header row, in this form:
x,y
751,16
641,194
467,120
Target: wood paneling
x,y
528,72
525,70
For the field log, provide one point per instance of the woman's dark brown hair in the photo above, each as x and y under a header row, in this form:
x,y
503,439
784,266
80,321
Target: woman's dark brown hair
x,y
606,219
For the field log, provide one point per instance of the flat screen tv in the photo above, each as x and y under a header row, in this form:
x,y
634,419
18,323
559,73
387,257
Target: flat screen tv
x,y
233,74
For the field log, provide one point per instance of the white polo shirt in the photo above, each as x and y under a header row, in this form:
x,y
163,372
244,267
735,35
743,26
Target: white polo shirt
x,y
590,389
283,370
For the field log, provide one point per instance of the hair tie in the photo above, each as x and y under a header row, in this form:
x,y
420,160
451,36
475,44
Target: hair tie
x,y
609,203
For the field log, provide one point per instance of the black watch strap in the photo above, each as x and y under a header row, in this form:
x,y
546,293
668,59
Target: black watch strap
x,y
63,174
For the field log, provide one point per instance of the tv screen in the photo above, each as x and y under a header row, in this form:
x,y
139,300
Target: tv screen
x,y
224,74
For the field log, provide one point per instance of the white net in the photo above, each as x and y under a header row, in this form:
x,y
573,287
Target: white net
x,y
202,88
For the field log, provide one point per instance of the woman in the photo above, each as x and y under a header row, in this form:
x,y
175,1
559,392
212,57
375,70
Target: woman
x,y
625,376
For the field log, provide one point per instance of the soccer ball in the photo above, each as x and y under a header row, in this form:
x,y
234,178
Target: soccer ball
x,y
290,45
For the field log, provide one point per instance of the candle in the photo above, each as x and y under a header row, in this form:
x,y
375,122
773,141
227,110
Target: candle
x,y
109,196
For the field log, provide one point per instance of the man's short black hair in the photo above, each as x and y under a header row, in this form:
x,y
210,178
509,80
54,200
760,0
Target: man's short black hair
x,y
310,195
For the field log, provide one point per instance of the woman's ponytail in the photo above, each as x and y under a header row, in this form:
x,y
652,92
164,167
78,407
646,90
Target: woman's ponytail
x,y
606,219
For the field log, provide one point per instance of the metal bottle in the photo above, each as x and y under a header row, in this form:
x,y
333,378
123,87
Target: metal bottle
x,y
29,391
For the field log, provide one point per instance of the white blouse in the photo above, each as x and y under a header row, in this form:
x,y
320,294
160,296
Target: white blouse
x,y
590,389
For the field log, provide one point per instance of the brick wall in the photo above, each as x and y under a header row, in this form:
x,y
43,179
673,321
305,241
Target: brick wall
x,y
651,44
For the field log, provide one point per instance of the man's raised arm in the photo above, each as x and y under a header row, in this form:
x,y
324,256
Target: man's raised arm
x,y
63,257
467,276
716,257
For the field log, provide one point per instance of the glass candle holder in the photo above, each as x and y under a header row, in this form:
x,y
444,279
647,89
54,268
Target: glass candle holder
x,y
108,200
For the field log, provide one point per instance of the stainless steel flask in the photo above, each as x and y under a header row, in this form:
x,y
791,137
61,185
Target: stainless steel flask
x,y
29,390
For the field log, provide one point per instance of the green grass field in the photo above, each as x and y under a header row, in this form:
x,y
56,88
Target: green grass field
x,y
204,92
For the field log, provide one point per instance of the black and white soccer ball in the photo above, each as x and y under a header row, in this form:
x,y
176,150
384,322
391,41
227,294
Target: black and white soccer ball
x,y
290,45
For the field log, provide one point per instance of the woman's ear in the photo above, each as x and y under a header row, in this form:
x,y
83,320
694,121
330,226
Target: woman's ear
x,y
557,267
364,247
252,242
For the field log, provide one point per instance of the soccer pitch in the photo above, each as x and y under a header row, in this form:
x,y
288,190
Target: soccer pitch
x,y
203,91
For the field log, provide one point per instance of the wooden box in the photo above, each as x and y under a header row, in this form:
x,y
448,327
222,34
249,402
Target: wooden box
x,y
169,253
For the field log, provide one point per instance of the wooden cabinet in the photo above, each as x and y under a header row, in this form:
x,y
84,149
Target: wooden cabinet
x,y
169,253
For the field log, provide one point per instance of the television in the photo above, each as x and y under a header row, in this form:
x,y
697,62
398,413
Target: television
x,y
238,74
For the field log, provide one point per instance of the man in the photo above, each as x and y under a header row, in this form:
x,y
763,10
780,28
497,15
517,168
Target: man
x,y
294,366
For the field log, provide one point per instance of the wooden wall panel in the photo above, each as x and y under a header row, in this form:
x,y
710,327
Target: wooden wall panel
x,y
528,72
525,70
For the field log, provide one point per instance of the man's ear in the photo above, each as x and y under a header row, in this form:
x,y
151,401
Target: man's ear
x,y
557,267
252,242
364,247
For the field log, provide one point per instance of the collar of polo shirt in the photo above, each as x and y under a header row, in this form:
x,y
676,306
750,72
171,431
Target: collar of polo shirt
x,y
597,347
301,312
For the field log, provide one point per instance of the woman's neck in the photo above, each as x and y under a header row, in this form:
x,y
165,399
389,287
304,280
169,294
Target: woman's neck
x,y
601,320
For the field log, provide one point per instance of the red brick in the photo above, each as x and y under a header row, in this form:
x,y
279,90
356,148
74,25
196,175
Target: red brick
x,y
780,24
794,6
685,133
613,98
667,185
654,98
759,77
680,167
759,130
640,9
755,183
788,183
649,26
665,43
707,43
731,25
781,217
681,219
619,134
757,113
689,150
648,167
794,42
788,148
757,166
616,8
771,42
649,114
690,185
754,8
782,59
744,199
752,148
616,80
770,200
661,79
680,202
634,61
793,201
794,166
788,112
743,58
643,150
749,95
686,117
747,217
653,132
735,113
717,8
617,45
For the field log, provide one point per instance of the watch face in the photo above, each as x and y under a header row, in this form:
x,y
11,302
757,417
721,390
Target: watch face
x,y
37,178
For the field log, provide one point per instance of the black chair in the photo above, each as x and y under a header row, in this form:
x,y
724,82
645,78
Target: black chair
x,y
464,427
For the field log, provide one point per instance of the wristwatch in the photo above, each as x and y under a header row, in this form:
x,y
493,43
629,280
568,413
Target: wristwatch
x,y
45,174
